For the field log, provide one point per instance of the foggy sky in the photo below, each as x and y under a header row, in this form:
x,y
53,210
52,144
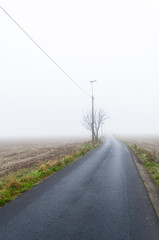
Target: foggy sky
x,y
114,42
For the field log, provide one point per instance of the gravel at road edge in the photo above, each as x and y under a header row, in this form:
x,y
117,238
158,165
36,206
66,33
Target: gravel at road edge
x,y
151,187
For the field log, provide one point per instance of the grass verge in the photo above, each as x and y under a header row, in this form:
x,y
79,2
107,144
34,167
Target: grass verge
x,y
149,158
16,183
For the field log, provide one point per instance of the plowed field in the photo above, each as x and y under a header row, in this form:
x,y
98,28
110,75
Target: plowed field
x,y
20,154
150,142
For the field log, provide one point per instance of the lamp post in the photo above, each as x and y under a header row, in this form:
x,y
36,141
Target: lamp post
x,y
92,111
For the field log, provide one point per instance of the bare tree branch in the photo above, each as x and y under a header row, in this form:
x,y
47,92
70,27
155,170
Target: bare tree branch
x,y
99,117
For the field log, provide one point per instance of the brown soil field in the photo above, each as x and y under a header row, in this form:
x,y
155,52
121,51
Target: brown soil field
x,y
19,154
150,142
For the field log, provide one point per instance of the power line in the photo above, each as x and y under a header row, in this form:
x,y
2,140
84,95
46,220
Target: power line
x,y
43,51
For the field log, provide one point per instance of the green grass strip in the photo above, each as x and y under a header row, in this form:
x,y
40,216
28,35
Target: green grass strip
x,y
149,158
16,183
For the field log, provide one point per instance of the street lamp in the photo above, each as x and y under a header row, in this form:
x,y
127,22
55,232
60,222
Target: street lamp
x,y
92,110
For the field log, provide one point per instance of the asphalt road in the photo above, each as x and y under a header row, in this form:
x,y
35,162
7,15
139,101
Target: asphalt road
x,y
98,197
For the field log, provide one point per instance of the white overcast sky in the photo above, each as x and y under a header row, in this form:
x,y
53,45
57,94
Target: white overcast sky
x,y
115,42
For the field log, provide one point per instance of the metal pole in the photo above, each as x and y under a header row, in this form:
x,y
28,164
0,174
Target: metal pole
x,y
92,119
93,135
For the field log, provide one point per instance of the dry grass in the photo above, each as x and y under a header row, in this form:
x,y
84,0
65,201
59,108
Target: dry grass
x,y
15,183
147,149
16,155
149,142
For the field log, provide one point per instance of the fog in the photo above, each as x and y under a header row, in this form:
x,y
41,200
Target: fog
x,y
114,42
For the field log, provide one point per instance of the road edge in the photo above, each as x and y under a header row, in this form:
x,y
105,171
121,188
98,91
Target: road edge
x,y
148,181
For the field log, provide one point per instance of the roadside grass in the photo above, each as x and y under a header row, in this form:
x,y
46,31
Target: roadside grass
x,y
14,184
149,158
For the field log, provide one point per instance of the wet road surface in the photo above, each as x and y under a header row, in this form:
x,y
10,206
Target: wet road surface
x,y
98,197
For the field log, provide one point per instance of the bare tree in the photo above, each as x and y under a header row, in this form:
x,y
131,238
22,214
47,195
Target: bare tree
x,y
99,117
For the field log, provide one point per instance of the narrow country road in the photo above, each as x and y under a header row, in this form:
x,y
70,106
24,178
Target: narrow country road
x,y
98,197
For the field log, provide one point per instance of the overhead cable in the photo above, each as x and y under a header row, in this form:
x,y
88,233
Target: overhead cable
x,y
44,51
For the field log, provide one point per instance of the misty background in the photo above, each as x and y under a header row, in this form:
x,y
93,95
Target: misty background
x,y
114,42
